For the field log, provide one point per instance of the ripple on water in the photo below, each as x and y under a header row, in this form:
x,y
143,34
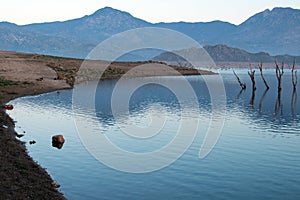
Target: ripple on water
x,y
256,157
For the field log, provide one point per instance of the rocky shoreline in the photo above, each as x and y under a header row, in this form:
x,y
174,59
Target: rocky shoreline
x,y
21,177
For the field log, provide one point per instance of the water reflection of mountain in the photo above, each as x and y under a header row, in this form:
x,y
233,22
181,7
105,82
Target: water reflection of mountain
x,y
141,100
264,109
60,100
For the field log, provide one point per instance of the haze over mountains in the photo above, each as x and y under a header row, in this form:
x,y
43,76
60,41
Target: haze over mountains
x,y
276,32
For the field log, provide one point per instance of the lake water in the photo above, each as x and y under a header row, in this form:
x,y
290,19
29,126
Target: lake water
x,y
256,157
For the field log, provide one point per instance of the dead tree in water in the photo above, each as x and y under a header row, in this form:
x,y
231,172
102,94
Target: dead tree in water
x,y
252,98
278,105
251,74
293,103
239,94
279,73
243,85
262,100
294,75
295,81
262,76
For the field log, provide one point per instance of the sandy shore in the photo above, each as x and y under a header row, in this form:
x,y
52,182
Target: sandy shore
x,y
29,74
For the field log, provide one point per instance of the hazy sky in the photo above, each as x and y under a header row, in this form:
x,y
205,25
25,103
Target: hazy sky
x,y
234,11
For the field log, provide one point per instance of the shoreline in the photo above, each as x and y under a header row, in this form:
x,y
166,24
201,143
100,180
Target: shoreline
x,y
29,74
21,176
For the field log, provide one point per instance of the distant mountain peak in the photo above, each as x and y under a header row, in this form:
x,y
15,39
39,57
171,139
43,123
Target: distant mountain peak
x,y
280,12
266,12
109,11
106,18
274,16
108,8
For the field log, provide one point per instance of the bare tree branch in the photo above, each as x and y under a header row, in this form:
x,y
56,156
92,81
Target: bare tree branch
x,y
279,73
252,76
243,85
260,66
294,75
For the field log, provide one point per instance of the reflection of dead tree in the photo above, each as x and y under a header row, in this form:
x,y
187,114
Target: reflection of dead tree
x,y
278,105
262,76
239,94
279,73
243,85
293,103
262,100
251,74
294,76
252,98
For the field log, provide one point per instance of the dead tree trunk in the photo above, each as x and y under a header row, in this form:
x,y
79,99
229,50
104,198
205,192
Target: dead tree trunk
x,y
251,74
294,75
279,74
262,76
243,85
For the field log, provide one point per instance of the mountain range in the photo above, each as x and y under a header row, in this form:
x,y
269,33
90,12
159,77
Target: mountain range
x,y
275,31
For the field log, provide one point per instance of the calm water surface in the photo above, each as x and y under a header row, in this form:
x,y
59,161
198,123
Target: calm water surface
x,y
256,157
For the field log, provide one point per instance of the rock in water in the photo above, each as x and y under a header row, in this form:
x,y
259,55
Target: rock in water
x,y
58,141
56,185
8,107
32,142
58,138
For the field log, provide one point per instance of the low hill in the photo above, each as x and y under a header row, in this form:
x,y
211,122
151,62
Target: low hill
x,y
223,53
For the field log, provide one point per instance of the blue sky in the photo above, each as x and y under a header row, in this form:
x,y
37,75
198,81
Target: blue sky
x,y
234,11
